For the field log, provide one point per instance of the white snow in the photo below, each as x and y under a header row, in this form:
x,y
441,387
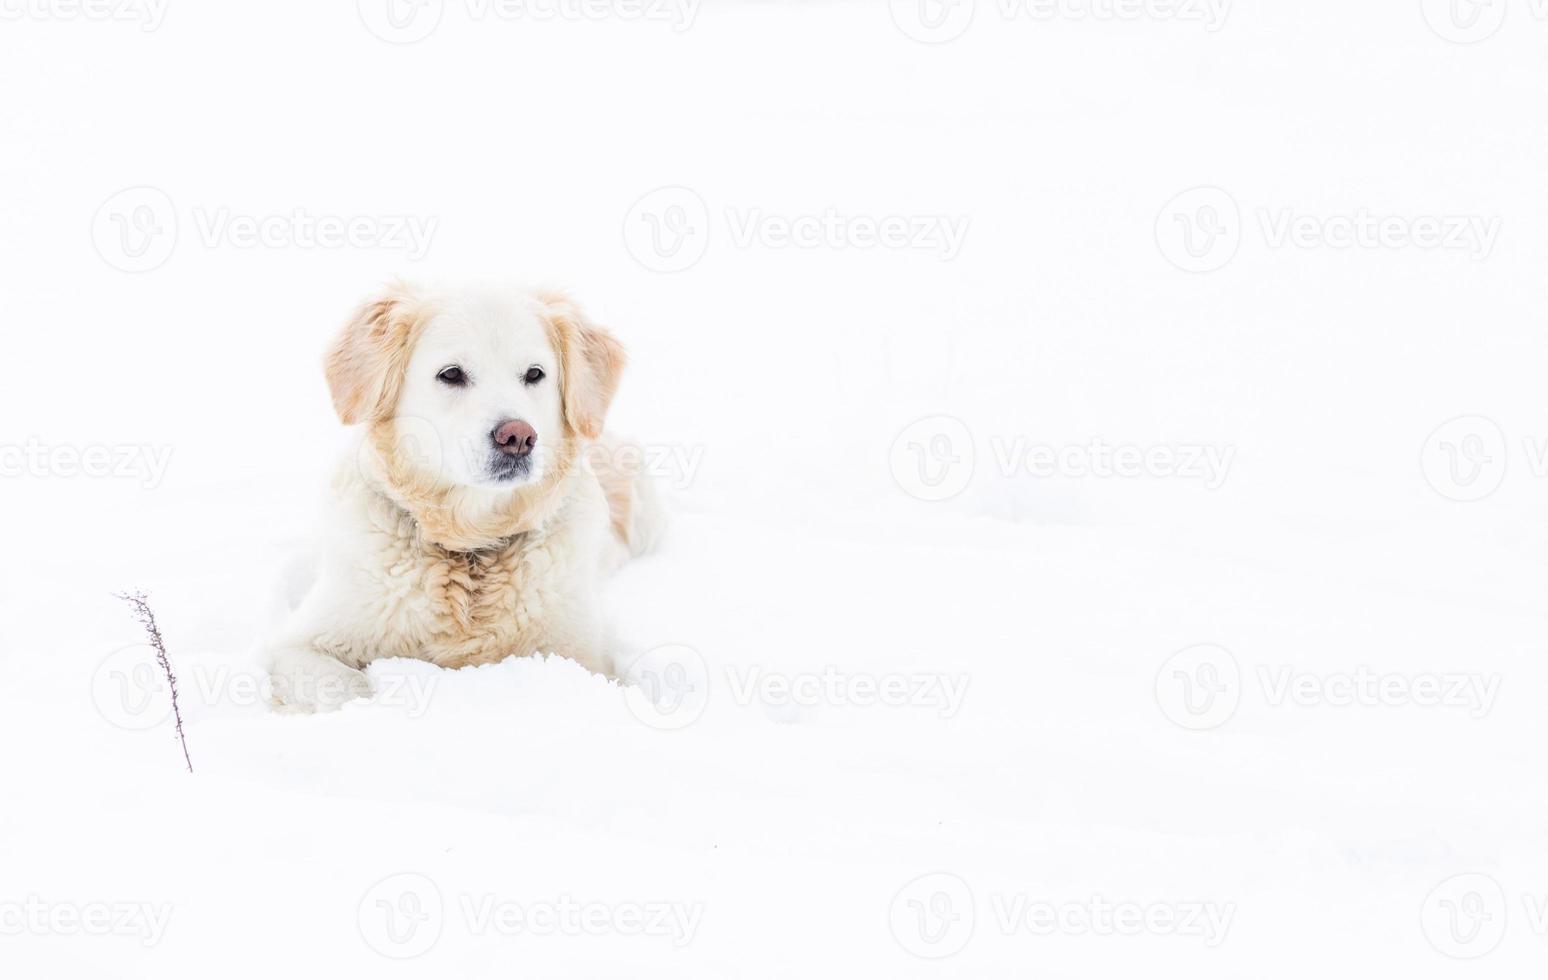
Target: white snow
x,y
1069,816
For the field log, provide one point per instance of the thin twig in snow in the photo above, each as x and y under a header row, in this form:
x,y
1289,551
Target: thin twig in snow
x,y
142,612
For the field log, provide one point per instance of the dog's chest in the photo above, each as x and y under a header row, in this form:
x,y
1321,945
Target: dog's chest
x,y
457,609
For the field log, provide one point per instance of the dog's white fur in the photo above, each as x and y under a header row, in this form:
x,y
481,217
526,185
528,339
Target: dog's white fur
x,y
434,551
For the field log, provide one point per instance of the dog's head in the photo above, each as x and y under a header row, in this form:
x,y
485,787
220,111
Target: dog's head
x,y
482,387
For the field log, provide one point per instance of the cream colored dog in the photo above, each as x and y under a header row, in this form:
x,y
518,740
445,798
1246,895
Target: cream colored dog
x,y
479,514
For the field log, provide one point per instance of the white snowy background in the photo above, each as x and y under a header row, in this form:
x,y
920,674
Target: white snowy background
x,y
1277,718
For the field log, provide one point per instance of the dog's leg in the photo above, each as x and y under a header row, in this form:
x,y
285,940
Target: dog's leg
x,y
582,634
596,653
302,680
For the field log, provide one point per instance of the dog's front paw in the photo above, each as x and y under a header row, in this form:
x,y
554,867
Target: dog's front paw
x,y
321,684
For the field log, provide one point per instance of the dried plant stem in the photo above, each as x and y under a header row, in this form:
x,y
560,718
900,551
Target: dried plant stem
x,y
142,612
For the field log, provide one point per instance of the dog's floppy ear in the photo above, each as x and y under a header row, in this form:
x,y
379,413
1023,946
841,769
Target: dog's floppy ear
x,y
365,365
591,362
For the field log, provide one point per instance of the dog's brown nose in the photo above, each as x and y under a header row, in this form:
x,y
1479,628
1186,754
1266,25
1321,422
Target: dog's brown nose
x,y
514,437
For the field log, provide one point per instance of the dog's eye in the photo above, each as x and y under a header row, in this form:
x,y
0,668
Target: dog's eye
x,y
533,375
452,376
